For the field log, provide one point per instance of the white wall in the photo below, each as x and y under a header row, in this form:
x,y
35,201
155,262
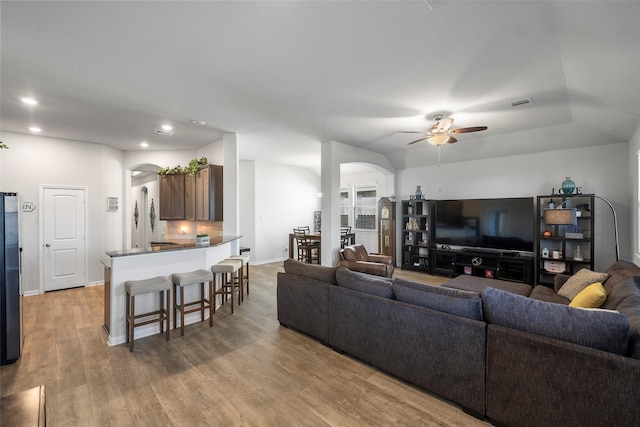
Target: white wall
x,y
603,170
285,197
247,206
33,161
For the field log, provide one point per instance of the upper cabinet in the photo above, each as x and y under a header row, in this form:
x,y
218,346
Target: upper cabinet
x,y
172,197
188,197
209,193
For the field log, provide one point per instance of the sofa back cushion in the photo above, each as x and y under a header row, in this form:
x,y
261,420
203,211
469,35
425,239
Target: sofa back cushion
x,y
314,271
618,271
362,282
601,329
625,298
448,300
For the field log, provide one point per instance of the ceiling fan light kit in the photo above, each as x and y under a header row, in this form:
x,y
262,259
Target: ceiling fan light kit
x,y
440,132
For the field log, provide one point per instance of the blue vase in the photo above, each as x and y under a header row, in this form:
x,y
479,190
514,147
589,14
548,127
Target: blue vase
x,y
568,186
418,192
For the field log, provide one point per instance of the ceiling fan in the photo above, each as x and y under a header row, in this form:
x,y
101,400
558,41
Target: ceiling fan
x,y
440,133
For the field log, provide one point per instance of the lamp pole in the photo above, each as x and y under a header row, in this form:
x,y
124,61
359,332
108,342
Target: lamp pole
x,y
615,224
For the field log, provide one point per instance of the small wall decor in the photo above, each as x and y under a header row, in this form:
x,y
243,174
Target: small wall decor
x,y
152,215
136,214
112,204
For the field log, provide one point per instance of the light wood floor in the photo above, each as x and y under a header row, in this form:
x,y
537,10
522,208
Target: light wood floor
x,y
246,370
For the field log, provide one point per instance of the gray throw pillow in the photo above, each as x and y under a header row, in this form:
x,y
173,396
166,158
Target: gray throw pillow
x,y
579,281
362,282
601,329
447,300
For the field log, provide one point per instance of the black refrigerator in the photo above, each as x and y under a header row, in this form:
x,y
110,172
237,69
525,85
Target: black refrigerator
x,y
10,287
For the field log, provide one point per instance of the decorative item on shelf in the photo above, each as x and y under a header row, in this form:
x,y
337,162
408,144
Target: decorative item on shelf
x,y
577,255
552,204
556,254
578,190
202,240
418,192
152,215
547,233
574,231
568,186
555,266
136,214
581,207
545,253
415,224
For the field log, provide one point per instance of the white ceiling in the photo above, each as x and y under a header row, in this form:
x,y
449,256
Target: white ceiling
x,y
286,75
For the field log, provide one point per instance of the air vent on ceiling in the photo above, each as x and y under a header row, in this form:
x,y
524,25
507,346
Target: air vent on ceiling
x,y
164,132
521,102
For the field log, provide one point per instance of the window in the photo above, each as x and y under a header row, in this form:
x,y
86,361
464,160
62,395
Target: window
x,y
365,208
345,208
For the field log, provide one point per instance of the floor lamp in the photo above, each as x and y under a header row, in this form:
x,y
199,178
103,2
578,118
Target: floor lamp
x,y
615,225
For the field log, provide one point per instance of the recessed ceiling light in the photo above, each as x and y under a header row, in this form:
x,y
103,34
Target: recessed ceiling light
x,y
35,129
29,101
167,128
144,144
198,122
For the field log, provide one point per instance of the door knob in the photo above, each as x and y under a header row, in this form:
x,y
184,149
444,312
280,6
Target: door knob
x,y
48,245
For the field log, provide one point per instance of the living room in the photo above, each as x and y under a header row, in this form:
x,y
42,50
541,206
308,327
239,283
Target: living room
x,y
282,147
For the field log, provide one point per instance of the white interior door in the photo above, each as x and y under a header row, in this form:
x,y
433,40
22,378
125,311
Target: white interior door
x,y
64,242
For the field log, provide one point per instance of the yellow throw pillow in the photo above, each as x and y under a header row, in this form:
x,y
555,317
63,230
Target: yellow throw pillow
x,y
593,296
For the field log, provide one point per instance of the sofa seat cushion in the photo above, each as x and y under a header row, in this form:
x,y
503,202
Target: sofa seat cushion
x,y
453,301
579,281
478,284
545,293
313,271
362,282
600,329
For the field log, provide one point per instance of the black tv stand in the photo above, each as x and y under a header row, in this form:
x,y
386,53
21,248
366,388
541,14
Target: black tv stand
x,y
492,264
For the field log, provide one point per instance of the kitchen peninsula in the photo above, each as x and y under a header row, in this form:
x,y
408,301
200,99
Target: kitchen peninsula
x,y
156,260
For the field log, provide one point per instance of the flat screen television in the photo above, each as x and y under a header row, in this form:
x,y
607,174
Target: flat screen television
x,y
505,224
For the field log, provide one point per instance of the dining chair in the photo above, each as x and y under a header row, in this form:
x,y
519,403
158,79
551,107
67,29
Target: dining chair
x,y
308,250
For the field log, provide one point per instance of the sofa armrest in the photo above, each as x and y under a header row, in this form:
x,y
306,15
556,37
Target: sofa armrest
x,y
375,268
384,259
559,280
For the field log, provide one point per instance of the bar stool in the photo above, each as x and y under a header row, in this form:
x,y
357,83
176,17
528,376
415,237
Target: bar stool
x,y
147,286
244,273
191,278
227,269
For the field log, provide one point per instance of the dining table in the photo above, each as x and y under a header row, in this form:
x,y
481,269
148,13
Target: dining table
x,y
351,237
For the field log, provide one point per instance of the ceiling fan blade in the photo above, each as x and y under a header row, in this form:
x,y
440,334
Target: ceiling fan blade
x,y
418,140
452,140
470,129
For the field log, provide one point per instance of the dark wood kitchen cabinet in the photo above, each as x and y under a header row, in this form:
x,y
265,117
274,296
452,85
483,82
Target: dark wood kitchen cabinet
x,y
209,193
172,197
192,197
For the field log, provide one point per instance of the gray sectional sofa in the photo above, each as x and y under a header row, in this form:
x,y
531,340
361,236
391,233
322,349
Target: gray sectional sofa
x,y
516,360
